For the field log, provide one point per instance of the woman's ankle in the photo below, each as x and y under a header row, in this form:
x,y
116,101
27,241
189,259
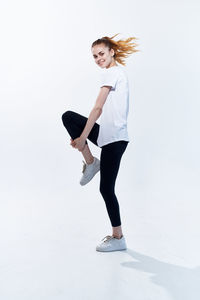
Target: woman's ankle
x,y
90,160
117,236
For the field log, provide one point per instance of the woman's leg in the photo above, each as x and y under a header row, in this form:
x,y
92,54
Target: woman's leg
x,y
89,158
111,155
75,123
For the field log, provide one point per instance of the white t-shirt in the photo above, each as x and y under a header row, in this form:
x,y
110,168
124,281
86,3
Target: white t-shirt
x,y
113,120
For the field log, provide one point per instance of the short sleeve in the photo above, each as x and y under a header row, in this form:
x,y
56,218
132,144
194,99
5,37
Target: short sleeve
x,y
108,77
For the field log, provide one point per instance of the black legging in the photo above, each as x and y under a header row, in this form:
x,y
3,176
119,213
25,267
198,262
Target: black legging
x,y
109,161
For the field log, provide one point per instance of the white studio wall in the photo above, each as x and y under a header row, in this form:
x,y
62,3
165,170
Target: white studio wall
x,y
46,68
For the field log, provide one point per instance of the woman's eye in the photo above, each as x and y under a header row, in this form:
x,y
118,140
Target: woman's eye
x,y
100,54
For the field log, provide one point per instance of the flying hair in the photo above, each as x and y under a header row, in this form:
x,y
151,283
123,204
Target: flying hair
x,y
122,48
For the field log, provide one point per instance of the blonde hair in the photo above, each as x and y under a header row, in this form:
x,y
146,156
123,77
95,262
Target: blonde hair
x,y
122,48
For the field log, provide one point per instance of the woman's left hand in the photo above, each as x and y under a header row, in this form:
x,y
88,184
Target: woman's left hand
x,y
78,143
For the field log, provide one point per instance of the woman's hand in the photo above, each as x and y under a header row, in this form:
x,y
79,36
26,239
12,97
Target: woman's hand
x,y
78,143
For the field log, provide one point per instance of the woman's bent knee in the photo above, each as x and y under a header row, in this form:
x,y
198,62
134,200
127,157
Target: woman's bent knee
x,y
66,117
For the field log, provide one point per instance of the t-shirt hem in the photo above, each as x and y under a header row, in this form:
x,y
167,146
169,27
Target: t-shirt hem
x,y
112,141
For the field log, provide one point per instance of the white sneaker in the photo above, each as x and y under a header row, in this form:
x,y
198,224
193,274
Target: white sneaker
x,y
89,170
111,243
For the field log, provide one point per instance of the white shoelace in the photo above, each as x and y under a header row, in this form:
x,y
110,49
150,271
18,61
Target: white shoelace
x,y
107,238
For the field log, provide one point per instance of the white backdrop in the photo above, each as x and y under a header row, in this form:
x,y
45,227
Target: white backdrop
x,y
46,68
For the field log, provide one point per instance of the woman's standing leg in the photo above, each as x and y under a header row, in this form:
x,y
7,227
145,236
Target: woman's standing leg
x,y
111,155
75,123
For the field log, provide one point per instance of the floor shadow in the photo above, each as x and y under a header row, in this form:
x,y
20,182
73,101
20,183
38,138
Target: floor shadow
x,y
180,282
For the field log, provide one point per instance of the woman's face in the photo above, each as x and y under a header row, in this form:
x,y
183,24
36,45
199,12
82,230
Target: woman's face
x,y
103,56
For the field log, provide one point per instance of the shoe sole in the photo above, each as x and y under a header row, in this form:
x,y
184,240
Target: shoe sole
x,y
111,250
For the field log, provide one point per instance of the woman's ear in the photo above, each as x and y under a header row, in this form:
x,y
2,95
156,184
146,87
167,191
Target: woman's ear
x,y
112,52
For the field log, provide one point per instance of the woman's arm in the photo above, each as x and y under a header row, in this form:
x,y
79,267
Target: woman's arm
x,y
96,111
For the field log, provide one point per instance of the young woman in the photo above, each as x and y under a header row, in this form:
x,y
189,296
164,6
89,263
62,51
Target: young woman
x,y
112,104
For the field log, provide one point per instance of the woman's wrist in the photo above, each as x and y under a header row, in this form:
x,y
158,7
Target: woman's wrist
x,y
83,136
